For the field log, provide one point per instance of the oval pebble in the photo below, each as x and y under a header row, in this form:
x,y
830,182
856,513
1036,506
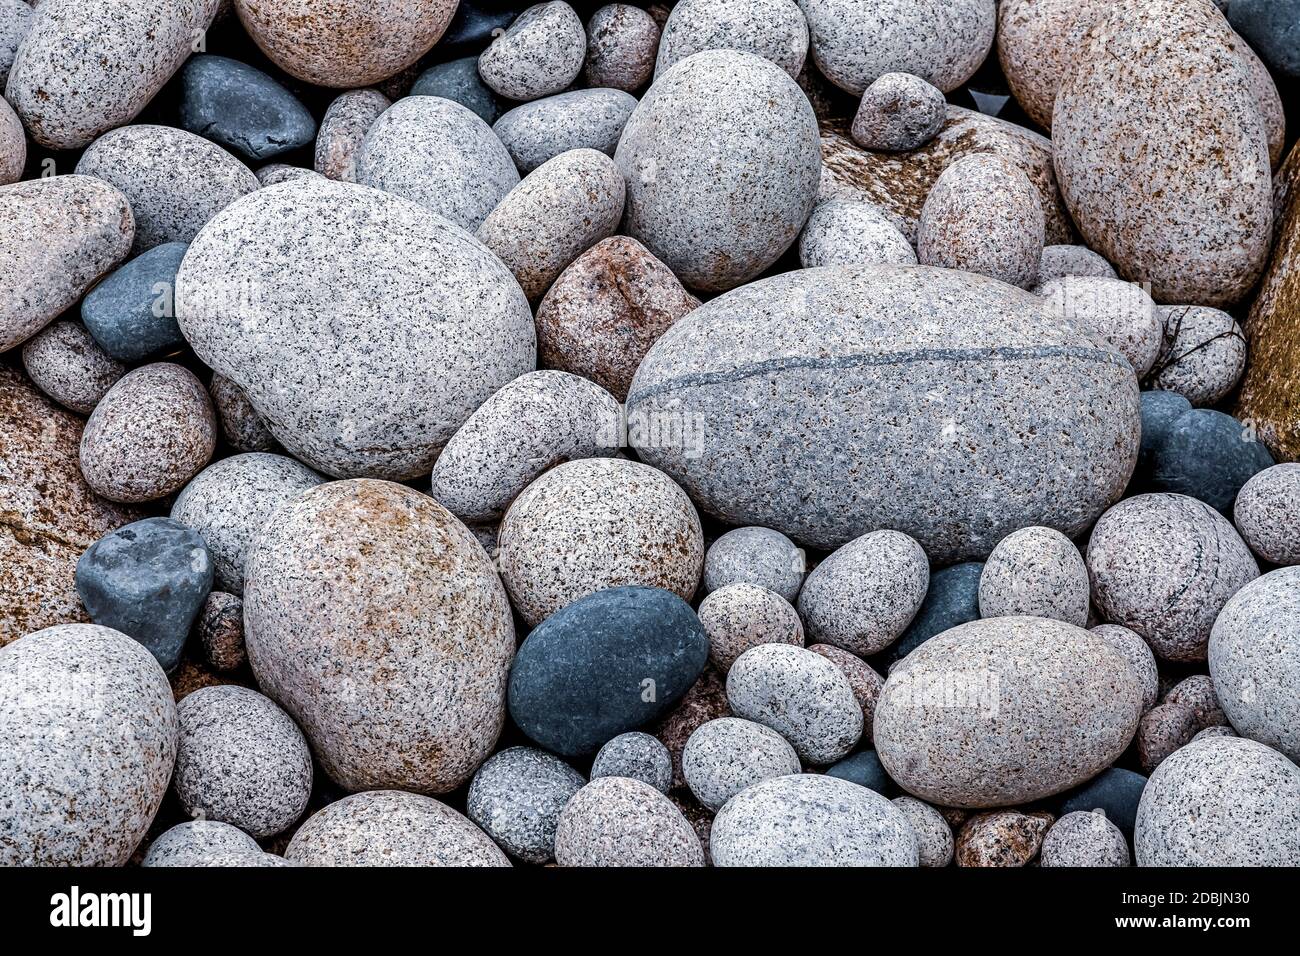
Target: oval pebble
x,y
242,108
184,842
458,81
842,232
740,616
343,129
517,796
1208,455
1059,262
864,769
132,313
1005,838
636,756
864,680
1035,572
540,54
220,632
1120,313
952,599
1267,513
622,41
13,140
615,821
65,362
898,112
1203,356
725,756
1084,839
773,29
757,556
582,119
933,835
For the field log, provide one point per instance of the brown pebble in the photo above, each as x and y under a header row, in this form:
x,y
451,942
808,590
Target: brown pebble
x,y
1164,728
1004,838
705,701
220,629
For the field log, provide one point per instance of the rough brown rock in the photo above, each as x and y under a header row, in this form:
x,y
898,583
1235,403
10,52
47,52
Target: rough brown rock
x,y
1005,838
705,701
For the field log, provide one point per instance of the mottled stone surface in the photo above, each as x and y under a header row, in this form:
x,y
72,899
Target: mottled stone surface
x,y
1203,355
132,313
933,835
898,111
724,756
1038,41
1267,514
242,426
67,364
843,232
540,53
342,130
740,616
1207,455
1061,261
1118,313
517,796
219,629
78,790
773,29
15,22
705,701
1002,838
186,842
636,756
864,680
758,556
615,821
272,174
242,108
1036,572
1140,658
581,119
622,42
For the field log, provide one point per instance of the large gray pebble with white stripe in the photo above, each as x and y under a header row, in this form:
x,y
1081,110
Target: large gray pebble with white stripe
x,y
517,796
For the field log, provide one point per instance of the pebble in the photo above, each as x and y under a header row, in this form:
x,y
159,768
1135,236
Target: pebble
x,y
355,593
1224,801
725,756
1060,262
371,372
241,425
933,835
722,164
842,232
615,821
1002,838
344,127
241,760
864,680
636,756
67,364
1159,411
1140,658
740,616
1208,455
622,43
801,695
1035,572
458,81
132,313
195,839
1254,659
617,522
1037,42
1204,353
606,310
539,55
1197,693
984,216
272,174
1115,791
230,501
1223,731
149,435
758,556
1085,839
15,22
391,828
78,791
952,599
811,820
1119,313
242,108
773,29
581,119
865,769
1266,513
1270,27
898,112
517,796
220,632
13,140
608,663
705,701
1073,697
1164,566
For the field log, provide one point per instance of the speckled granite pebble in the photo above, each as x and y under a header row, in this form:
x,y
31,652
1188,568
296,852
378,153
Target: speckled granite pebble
x,y
952,599
740,616
149,435
842,232
391,828
243,428
1207,455
1038,41
220,631
1119,313
541,53
67,364
811,820
1163,566
724,756
622,42
344,127
898,112
581,119
636,756
375,618
615,821
517,796
1224,801
13,139
242,108
132,313
1267,514
1140,658
182,843
1197,692
78,790
933,835
15,21
1164,729
773,29
1061,261
1002,838
758,556
458,81
1203,356
1035,572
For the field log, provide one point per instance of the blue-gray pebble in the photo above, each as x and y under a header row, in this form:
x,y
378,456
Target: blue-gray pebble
x,y
953,599
1272,27
476,23
147,579
1207,455
1115,790
1159,411
459,81
242,108
865,769
605,664
132,313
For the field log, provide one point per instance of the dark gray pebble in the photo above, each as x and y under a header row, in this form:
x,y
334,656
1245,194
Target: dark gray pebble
x,y
132,313
242,108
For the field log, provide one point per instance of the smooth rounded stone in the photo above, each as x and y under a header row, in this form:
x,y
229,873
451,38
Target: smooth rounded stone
x,y
458,81
242,108
220,631
1203,356
1000,839
615,821
1266,513
1085,839
1254,658
898,112
132,313
1164,566
517,796
608,663
84,68
87,741
984,216
864,595
439,154
241,760
1035,572
1197,692
811,820
242,427
1115,791
1166,215
16,18
952,599
1225,801
933,835
366,367
1140,658
842,232
622,43
864,680
636,756
152,433
773,29
706,700
801,695
865,769
980,379
147,580
758,556
1159,412
1063,261
722,163
272,174
1072,696
1271,27
1207,455
13,141
1164,729
724,756
581,119
539,420
740,616
377,621
606,310
1119,313
344,127
230,501
175,181
67,364
559,211
540,54
616,522
854,44
60,235
391,828
181,844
